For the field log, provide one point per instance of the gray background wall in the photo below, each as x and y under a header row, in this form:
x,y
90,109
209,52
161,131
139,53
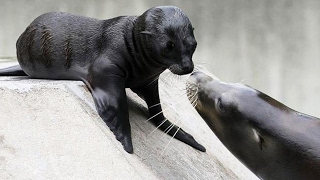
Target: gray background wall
x,y
272,45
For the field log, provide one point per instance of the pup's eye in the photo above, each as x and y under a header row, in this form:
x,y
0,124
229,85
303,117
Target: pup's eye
x,y
170,45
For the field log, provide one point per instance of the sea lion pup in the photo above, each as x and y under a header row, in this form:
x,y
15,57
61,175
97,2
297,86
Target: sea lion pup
x,y
272,140
109,56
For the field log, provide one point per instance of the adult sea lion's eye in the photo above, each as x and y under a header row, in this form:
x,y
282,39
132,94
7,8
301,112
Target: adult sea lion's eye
x,y
220,105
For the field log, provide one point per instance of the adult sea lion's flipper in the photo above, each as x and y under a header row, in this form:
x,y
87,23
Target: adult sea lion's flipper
x,y
12,71
150,94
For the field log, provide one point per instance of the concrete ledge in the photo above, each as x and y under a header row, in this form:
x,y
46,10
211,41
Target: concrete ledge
x,y
50,130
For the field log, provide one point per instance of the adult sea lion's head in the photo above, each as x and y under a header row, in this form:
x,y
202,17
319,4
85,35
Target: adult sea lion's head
x,y
165,36
235,112
271,139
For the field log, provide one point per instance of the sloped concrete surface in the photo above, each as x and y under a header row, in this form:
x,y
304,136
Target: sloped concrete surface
x,y
51,130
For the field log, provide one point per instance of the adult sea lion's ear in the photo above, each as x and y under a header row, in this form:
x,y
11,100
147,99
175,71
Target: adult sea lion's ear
x,y
146,32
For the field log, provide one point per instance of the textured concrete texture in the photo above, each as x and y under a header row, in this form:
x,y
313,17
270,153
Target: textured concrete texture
x,y
51,130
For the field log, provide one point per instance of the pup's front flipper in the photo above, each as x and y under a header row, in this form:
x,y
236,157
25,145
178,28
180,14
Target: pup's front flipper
x,y
150,94
111,102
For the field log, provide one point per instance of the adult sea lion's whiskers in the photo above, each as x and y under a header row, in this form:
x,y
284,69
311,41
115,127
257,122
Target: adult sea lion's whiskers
x,y
171,79
243,80
194,100
167,76
193,93
197,68
200,64
154,80
181,100
158,104
163,121
157,114
157,74
171,140
178,97
176,123
169,128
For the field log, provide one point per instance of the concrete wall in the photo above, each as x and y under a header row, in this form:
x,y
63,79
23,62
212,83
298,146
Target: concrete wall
x,y
51,130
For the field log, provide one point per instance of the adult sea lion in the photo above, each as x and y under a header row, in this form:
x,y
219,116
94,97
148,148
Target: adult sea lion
x,y
109,56
272,140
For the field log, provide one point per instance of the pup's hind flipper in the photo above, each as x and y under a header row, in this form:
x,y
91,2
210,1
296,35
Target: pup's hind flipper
x,y
12,71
